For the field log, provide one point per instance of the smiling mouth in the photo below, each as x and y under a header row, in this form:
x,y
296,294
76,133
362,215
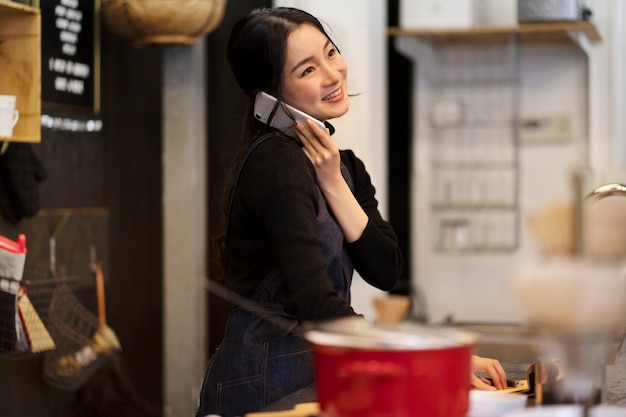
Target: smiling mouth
x,y
332,95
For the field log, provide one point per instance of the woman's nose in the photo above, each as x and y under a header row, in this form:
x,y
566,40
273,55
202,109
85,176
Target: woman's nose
x,y
334,74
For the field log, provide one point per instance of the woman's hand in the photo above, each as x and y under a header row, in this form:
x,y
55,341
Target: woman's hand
x,y
324,154
491,367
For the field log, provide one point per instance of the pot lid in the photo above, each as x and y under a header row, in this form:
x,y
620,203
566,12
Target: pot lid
x,y
356,332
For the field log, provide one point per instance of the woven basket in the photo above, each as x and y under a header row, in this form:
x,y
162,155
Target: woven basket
x,y
162,21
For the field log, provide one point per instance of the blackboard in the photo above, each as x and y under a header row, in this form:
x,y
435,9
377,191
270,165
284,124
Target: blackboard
x,y
70,73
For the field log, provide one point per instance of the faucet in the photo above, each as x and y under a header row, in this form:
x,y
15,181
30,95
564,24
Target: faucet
x,y
607,190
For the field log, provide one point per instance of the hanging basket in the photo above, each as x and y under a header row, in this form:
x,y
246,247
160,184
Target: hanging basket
x,y
162,21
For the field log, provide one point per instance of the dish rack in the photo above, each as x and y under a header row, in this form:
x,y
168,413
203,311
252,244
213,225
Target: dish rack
x,y
473,119
31,310
54,323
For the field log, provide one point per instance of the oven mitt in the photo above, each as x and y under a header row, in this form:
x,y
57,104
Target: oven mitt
x,y
20,174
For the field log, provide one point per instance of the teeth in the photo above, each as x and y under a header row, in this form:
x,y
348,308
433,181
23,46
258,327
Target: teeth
x,y
332,95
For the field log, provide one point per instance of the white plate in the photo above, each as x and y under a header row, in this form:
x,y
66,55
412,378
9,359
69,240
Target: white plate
x,y
608,411
568,411
547,411
494,403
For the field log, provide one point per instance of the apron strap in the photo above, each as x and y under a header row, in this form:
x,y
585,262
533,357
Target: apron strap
x,y
245,157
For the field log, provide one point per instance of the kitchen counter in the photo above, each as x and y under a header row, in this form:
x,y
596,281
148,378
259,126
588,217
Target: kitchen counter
x,y
615,384
616,379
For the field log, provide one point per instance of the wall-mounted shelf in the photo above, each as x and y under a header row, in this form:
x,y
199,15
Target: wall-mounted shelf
x,y
526,33
469,101
20,66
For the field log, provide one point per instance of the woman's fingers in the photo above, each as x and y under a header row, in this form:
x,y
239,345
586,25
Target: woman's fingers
x,y
491,367
482,383
317,137
316,142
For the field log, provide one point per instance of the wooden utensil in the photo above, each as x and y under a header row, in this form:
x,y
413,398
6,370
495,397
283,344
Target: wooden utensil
x,y
105,336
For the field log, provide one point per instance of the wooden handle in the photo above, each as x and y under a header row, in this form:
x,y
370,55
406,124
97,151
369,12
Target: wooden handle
x,y
102,315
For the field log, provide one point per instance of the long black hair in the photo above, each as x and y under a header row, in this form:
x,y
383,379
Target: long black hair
x,y
257,51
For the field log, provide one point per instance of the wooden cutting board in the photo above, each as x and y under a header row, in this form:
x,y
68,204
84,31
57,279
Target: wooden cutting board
x,y
300,410
520,386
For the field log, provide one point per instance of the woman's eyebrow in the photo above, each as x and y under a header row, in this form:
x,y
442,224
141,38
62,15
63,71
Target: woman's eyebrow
x,y
307,59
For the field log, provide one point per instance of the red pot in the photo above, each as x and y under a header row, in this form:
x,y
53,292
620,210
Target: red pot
x,y
405,370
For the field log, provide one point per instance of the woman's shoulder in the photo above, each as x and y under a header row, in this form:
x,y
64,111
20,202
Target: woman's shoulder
x,y
276,148
277,141
278,156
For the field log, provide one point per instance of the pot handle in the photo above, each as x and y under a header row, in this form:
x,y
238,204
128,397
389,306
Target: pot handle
x,y
370,369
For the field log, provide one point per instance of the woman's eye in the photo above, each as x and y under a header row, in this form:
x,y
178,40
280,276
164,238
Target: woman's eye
x,y
308,70
332,52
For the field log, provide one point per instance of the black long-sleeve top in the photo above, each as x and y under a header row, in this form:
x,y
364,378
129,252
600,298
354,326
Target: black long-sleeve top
x,y
273,222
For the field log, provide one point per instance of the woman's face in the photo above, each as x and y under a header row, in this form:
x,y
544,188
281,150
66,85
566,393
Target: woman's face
x,y
315,74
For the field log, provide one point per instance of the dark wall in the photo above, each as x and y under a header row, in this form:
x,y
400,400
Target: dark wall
x,y
226,104
131,109
103,190
399,152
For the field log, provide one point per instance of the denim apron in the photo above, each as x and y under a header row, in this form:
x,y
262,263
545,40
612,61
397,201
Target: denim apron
x,y
263,356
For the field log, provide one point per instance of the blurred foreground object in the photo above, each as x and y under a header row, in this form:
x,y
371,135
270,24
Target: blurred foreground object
x,y
574,292
604,223
554,229
392,308
598,221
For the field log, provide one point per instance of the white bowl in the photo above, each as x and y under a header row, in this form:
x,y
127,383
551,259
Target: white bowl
x,y
494,403
568,411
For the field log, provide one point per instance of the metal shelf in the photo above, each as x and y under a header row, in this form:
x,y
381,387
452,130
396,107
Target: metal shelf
x,y
472,113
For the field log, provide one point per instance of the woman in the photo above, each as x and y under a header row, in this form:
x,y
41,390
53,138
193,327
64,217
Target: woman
x,y
301,216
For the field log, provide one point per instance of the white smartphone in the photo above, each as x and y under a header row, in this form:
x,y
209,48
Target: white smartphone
x,y
264,105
